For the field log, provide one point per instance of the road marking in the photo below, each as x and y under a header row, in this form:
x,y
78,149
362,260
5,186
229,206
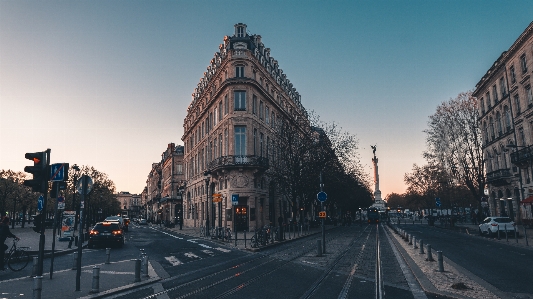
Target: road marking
x,y
109,272
205,246
173,260
191,255
209,252
222,249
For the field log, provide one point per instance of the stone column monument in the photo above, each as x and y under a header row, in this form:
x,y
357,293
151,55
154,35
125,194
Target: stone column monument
x,y
378,202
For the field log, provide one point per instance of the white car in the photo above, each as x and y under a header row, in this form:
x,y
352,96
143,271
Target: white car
x,y
491,225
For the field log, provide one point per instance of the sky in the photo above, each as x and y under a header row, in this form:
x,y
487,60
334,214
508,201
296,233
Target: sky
x,y
107,83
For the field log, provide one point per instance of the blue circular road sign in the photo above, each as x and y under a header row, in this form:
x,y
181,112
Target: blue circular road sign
x,y
322,196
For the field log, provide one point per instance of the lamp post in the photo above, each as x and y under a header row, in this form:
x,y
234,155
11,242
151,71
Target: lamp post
x,y
207,176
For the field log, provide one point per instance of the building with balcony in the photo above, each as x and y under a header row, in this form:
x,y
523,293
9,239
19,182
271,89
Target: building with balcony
x,y
229,132
162,196
505,102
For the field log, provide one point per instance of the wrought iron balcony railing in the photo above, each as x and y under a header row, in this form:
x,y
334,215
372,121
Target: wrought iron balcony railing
x,y
522,157
240,161
500,177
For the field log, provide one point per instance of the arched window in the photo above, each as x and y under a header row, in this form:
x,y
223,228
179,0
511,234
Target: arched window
x,y
499,123
507,113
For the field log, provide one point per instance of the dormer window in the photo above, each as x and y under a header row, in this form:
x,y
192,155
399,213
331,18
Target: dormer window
x,y
240,30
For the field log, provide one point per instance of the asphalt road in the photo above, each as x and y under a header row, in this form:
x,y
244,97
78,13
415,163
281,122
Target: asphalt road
x,y
503,266
200,268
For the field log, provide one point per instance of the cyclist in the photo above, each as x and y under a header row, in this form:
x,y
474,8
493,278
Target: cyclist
x,y
4,234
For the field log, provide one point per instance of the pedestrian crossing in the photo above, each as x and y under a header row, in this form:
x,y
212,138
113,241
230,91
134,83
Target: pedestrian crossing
x,y
181,258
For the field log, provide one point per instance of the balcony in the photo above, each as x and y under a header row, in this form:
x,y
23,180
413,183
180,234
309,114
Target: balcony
x,y
238,162
522,158
500,177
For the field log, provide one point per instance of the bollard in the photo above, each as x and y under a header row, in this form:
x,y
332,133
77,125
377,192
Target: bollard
x,y
441,261
244,239
75,261
96,281
525,235
145,266
108,253
515,234
414,243
37,287
35,266
421,246
319,247
506,233
235,238
429,257
410,239
137,270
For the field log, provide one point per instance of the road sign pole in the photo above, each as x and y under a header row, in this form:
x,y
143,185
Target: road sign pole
x,y
80,240
323,224
44,188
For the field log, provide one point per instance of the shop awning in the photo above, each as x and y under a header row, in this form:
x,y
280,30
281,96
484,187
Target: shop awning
x,y
528,200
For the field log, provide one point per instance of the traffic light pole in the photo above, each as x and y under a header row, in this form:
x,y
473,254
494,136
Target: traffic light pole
x,y
44,191
80,240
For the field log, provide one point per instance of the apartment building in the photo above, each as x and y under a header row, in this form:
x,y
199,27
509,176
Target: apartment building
x,y
229,132
506,116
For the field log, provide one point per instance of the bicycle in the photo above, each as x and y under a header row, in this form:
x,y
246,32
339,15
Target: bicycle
x,y
16,258
227,234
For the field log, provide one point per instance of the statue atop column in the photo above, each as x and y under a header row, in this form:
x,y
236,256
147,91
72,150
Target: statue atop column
x,y
378,202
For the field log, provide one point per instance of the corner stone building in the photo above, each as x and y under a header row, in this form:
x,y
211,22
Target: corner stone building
x,y
229,134
506,117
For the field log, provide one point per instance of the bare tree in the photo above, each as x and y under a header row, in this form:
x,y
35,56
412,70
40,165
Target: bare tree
x,y
454,142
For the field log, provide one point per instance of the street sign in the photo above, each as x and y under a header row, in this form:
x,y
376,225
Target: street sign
x,y
217,197
40,203
322,214
437,201
235,199
57,171
322,196
79,184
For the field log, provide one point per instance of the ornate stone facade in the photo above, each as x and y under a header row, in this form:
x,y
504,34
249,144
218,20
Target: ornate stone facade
x,y
229,133
505,102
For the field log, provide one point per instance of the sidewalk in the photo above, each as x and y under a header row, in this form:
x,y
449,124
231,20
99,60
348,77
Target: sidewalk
x,y
115,276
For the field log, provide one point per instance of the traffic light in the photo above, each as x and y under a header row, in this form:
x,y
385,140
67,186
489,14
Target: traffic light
x,y
37,223
40,175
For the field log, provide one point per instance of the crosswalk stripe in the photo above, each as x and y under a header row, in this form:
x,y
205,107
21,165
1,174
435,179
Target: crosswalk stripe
x,y
222,249
191,255
173,260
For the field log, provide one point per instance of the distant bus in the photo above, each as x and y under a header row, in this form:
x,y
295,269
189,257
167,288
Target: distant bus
x,y
372,215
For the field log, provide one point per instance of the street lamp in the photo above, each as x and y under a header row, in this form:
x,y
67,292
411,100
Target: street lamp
x,y
207,177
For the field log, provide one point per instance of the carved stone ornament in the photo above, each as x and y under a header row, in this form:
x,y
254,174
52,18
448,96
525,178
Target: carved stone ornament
x,y
240,181
240,45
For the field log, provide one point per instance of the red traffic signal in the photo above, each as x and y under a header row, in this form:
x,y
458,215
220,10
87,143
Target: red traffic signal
x,y
40,165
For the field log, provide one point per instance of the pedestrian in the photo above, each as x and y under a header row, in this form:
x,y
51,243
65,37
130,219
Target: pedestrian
x,y
4,234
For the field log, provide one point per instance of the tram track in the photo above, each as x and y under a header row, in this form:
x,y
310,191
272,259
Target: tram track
x,y
354,261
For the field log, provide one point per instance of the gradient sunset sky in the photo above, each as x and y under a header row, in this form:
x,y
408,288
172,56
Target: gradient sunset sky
x,y
107,83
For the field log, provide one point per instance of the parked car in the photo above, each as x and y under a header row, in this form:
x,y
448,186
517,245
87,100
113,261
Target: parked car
x,y
491,225
106,233
143,222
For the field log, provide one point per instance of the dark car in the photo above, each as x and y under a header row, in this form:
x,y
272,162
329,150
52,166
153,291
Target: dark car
x,y
107,234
